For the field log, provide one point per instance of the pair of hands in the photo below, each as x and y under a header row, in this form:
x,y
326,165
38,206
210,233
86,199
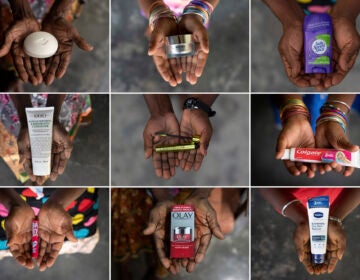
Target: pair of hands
x,y
54,225
171,69
193,122
206,225
297,132
35,70
60,153
346,44
336,245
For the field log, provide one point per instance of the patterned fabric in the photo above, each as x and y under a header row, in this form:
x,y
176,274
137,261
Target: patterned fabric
x,y
316,6
75,109
177,6
84,210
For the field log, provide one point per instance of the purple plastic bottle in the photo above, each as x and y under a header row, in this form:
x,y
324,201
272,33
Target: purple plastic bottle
x,y
317,43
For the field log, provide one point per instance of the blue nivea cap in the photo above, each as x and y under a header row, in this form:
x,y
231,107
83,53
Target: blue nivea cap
x,y
318,258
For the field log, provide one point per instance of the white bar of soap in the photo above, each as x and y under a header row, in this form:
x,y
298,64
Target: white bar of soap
x,y
40,45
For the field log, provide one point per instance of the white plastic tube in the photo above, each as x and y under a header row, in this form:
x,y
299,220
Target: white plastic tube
x,y
40,124
318,213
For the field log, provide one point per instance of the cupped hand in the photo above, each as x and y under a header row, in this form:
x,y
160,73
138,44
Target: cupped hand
x,y
346,45
66,34
164,163
301,240
18,228
194,65
60,153
336,246
158,227
206,225
291,49
169,69
195,123
331,135
296,133
55,224
28,68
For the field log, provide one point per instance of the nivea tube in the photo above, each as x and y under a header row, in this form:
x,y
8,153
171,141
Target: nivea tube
x,y
317,43
40,124
318,214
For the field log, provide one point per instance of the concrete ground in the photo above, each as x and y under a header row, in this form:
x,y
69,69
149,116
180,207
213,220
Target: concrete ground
x,y
273,254
92,266
227,67
87,72
267,70
227,162
225,259
267,171
89,162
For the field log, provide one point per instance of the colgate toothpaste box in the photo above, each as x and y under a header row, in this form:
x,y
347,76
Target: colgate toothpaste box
x,y
182,232
35,239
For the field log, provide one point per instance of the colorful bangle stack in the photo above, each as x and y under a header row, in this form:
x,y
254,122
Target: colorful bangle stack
x,y
293,107
159,10
331,113
201,8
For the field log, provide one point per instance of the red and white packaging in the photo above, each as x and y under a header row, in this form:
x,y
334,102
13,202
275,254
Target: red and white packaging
x,y
316,155
35,239
182,232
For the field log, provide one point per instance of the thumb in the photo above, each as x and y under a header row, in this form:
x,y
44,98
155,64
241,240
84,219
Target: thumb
x,y
215,228
5,48
81,42
70,236
148,144
281,145
348,56
343,143
150,229
202,37
156,41
205,140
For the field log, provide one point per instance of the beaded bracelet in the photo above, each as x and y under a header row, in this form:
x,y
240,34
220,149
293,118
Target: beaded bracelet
x,y
293,107
159,10
201,8
336,219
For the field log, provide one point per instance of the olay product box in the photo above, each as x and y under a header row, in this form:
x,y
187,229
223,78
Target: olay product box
x,y
182,232
317,43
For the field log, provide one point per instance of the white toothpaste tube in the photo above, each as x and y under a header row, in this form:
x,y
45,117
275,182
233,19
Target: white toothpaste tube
x,y
316,155
318,214
40,124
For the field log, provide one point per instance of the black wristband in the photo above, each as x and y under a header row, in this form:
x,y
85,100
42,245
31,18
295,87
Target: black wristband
x,y
194,103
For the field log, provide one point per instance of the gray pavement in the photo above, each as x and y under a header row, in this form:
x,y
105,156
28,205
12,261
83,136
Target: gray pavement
x,y
89,162
227,67
267,70
94,266
87,72
273,254
225,165
267,171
